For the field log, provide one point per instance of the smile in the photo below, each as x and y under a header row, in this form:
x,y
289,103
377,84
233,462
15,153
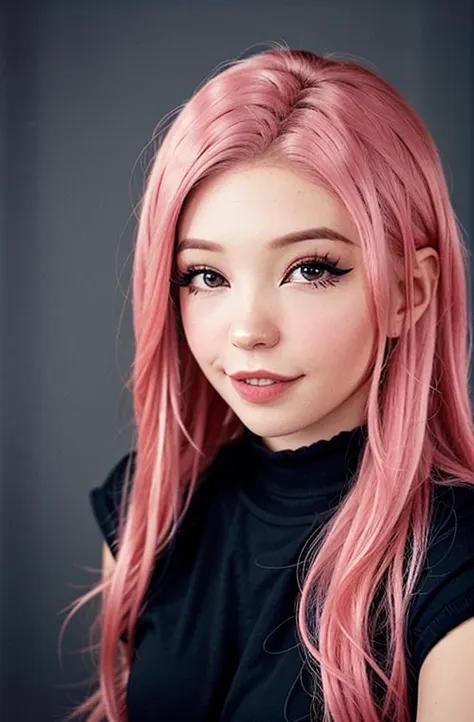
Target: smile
x,y
262,390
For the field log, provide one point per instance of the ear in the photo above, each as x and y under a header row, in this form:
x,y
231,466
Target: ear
x,y
425,282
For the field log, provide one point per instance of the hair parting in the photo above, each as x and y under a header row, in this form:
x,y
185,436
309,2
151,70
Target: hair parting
x,y
307,112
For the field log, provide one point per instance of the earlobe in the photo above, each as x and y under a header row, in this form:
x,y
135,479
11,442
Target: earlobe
x,y
425,283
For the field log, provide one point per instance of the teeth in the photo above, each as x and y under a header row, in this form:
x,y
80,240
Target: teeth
x,y
260,382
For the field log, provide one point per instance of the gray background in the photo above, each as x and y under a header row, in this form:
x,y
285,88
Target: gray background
x,y
83,84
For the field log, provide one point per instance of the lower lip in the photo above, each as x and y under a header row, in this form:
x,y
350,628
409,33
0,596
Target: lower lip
x,y
260,394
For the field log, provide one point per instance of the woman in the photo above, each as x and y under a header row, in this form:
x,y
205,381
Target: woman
x,y
292,531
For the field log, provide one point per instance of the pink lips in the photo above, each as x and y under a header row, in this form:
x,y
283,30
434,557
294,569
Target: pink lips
x,y
262,394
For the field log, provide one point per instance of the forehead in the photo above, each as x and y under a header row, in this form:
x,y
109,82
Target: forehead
x,y
259,202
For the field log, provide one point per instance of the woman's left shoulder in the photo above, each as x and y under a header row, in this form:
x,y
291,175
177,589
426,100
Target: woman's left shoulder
x,y
453,512
444,595
451,533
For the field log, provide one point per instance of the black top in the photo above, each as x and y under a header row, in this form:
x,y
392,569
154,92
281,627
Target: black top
x,y
217,640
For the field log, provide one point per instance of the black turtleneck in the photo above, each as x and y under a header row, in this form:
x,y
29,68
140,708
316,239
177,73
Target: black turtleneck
x,y
294,487
217,640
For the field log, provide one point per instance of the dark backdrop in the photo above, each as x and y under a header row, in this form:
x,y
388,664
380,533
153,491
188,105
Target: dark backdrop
x,y
82,86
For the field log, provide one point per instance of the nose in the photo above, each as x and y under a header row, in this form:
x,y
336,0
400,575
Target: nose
x,y
246,333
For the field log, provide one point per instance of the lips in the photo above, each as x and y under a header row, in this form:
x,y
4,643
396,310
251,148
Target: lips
x,y
265,393
258,382
260,374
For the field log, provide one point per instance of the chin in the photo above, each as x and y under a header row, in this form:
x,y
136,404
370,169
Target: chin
x,y
269,428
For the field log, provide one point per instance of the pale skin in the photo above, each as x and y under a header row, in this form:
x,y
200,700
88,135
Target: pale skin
x,y
250,313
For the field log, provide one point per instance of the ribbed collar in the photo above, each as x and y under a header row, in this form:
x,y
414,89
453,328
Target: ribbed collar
x,y
293,485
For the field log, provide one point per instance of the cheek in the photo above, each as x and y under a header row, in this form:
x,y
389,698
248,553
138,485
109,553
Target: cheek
x,y
341,340
199,327
337,338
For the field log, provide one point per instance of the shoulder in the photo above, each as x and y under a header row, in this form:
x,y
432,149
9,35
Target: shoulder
x,y
450,497
105,498
444,595
451,537
115,479
443,623
111,488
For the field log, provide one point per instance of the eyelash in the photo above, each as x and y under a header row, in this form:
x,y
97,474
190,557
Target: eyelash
x,y
184,279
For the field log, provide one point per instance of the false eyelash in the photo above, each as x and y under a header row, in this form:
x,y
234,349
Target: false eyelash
x,y
322,261
184,278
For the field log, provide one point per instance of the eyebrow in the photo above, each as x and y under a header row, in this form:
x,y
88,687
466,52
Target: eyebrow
x,y
280,242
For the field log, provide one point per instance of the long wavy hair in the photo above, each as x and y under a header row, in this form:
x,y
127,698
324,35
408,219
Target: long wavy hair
x,y
341,125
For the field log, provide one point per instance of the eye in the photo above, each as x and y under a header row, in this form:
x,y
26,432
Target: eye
x,y
210,278
326,271
323,271
308,269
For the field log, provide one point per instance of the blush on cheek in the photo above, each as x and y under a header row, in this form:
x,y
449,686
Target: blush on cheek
x,y
200,334
205,323
344,343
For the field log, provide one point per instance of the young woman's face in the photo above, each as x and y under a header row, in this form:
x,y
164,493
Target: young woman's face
x,y
256,302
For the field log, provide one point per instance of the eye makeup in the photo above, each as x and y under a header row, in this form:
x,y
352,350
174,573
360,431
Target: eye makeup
x,y
319,264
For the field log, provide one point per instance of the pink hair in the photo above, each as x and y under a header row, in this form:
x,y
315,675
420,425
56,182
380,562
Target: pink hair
x,y
345,128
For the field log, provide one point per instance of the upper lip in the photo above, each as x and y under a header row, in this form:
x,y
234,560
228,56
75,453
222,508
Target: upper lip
x,y
260,374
